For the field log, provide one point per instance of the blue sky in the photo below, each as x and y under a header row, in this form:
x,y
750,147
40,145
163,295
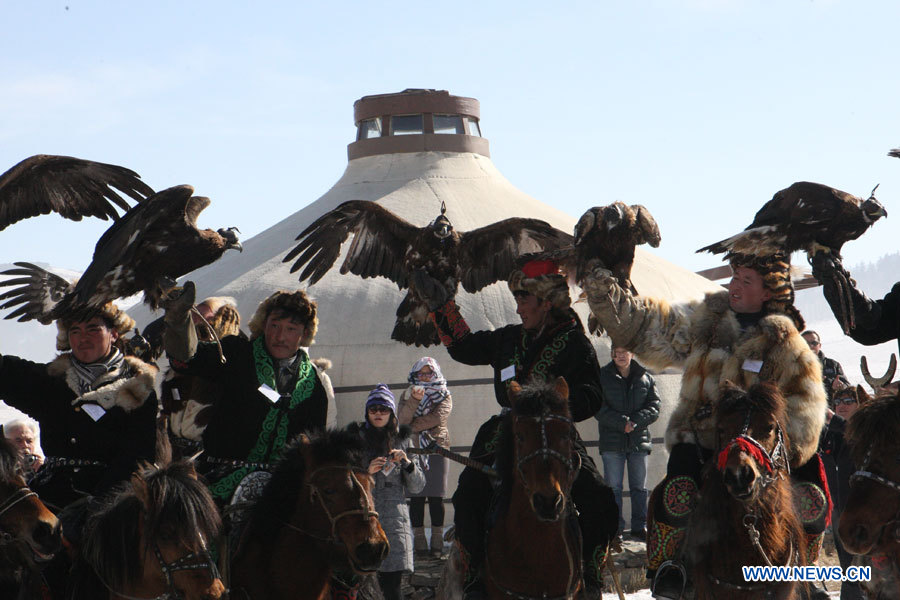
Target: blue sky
x,y
698,109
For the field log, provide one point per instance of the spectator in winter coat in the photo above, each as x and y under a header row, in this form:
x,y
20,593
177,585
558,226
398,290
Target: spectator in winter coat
x,y
832,371
631,404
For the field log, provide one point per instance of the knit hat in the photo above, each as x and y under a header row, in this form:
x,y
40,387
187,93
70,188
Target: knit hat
x,y
115,317
775,270
541,278
296,303
381,396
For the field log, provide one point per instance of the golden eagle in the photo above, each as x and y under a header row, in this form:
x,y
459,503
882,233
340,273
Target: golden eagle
x,y
72,187
610,234
153,244
384,245
805,216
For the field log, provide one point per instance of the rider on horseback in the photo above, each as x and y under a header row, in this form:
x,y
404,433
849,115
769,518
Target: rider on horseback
x,y
745,335
550,342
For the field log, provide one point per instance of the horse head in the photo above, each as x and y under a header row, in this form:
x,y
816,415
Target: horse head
x,y
29,532
340,507
870,522
151,539
543,445
751,444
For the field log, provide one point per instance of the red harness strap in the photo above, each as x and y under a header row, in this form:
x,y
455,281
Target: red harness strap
x,y
748,447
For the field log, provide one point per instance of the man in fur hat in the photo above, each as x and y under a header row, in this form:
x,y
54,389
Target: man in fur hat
x,y
550,342
271,390
96,407
746,334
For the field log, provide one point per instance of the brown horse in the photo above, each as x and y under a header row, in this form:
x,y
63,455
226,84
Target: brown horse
x,y
745,512
149,540
29,532
534,548
316,515
870,522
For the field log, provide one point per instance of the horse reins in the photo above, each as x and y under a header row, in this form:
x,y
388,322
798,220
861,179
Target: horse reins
x,y
19,495
864,473
366,510
545,451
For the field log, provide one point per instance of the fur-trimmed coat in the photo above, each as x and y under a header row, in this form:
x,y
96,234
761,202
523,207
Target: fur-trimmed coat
x,y
706,340
120,438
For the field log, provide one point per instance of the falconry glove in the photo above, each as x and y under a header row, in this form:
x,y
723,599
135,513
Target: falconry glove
x,y
825,265
180,337
432,291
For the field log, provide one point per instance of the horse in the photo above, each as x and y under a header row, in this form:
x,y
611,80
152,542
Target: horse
x,y
534,547
745,512
314,523
29,532
149,539
870,522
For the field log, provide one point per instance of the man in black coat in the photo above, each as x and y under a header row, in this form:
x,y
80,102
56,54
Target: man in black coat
x,y
96,408
272,391
873,321
832,371
550,342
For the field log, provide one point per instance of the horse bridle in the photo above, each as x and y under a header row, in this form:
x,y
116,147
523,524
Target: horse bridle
x,y
366,510
192,561
19,495
865,473
545,451
778,458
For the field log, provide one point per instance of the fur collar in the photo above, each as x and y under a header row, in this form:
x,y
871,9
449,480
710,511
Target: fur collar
x,y
116,388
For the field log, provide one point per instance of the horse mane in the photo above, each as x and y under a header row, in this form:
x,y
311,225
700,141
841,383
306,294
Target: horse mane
x,y
874,425
536,398
280,495
763,397
178,508
10,466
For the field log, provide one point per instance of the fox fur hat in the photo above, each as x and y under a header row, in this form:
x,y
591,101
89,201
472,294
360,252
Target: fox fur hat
x,y
541,278
116,318
775,270
296,304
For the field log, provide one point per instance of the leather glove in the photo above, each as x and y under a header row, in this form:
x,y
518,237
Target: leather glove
x,y
825,265
177,303
429,289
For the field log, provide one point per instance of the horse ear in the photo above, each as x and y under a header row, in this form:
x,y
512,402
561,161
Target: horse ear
x,y
304,440
862,396
561,387
139,485
513,390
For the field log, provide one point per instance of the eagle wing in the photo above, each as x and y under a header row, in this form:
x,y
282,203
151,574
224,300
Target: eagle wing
x,y
72,187
115,251
38,293
647,227
489,253
895,152
380,243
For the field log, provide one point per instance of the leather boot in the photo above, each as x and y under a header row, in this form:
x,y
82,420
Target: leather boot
x,y
420,542
437,541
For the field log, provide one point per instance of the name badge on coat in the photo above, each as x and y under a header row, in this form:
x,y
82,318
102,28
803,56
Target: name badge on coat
x,y
508,373
754,366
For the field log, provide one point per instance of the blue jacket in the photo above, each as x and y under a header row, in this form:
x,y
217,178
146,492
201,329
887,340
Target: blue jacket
x,y
633,399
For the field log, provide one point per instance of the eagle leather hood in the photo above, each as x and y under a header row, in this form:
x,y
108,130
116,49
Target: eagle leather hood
x,y
706,340
127,387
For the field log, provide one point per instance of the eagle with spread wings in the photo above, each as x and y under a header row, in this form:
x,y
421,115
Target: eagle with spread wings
x,y
805,216
385,245
146,249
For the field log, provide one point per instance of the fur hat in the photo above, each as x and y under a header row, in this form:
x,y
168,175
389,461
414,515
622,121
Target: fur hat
x,y
225,320
295,303
117,319
541,278
775,270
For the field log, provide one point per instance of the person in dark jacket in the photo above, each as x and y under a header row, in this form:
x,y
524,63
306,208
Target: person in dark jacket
x,y
870,322
272,390
550,342
832,372
96,408
630,405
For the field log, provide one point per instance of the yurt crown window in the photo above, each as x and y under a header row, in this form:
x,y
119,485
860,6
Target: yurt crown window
x,y
369,128
449,124
474,128
407,125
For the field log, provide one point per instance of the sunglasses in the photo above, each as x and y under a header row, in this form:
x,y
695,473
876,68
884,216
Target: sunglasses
x,y
378,409
845,401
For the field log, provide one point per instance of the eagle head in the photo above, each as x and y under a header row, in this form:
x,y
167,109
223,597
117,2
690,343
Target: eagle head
x,y
231,238
441,227
613,215
872,210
